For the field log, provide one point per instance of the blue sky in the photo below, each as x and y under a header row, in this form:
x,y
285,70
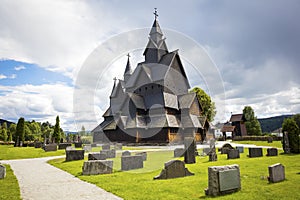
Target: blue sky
x,y
253,45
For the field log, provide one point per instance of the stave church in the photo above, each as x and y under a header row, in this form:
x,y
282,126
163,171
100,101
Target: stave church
x,y
152,102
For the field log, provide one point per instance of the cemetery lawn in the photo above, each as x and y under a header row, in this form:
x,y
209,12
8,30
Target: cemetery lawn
x,y
276,144
10,185
139,184
9,152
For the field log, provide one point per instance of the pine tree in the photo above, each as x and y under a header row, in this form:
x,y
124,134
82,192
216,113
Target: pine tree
x,y
56,134
252,124
20,132
290,126
4,132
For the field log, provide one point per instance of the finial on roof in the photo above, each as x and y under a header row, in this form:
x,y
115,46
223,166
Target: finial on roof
x,y
115,79
128,55
155,13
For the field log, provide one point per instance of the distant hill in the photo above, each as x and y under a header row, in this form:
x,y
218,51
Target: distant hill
x,y
7,122
272,123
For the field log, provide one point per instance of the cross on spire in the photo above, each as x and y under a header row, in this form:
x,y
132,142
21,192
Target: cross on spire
x,y
155,13
115,79
128,55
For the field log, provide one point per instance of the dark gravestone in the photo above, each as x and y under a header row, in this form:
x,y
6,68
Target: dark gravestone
x,y
225,148
174,169
50,147
233,154
126,153
212,152
94,167
143,154
94,145
223,180
106,147
178,152
97,156
64,145
276,173
255,152
270,139
286,143
74,155
190,147
2,171
131,162
78,144
118,146
272,152
109,153
240,148
38,145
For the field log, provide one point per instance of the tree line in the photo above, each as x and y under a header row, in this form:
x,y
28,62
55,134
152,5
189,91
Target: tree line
x,y
31,131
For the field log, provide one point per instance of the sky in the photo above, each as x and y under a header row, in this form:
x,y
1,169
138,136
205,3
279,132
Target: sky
x,y
244,53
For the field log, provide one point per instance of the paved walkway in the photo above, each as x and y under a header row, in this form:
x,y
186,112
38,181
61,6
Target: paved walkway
x,y
40,181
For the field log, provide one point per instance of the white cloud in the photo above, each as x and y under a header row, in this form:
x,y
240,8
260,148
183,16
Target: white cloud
x,y
2,76
21,67
13,76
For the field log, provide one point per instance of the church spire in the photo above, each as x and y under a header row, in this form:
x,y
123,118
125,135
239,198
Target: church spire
x,y
128,69
156,46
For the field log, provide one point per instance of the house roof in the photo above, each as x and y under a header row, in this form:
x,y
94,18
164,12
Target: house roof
x,y
227,128
236,118
186,100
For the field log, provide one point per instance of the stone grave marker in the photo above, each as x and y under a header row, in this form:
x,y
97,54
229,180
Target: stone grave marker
x,y
97,156
74,155
270,139
131,162
87,148
223,180
240,148
212,152
233,154
126,153
255,152
276,173
118,146
109,153
38,144
286,143
70,148
272,152
2,171
78,144
225,148
64,145
106,147
190,150
50,147
93,145
174,169
178,152
94,167
143,154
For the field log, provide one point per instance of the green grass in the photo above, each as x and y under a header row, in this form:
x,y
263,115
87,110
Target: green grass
x,y
139,184
9,186
9,152
276,144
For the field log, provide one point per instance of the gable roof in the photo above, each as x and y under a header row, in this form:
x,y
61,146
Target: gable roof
x,y
236,118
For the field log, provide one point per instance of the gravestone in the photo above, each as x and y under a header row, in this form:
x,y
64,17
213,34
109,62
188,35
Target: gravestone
x,y
212,152
74,155
178,152
94,167
276,173
143,154
109,153
2,171
131,162
93,145
87,148
272,152
225,148
64,145
126,153
70,148
270,139
233,154
50,147
223,180
190,150
174,169
97,156
38,144
240,148
118,146
286,143
78,144
106,147
255,152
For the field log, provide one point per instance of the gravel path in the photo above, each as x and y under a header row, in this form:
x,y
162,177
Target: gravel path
x,y
40,181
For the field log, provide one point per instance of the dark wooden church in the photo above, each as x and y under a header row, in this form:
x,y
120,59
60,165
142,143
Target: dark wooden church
x,y
152,104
